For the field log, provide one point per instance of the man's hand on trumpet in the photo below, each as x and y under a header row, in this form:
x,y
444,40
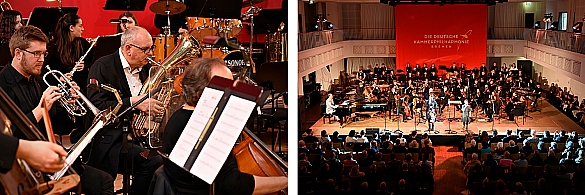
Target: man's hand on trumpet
x,y
50,95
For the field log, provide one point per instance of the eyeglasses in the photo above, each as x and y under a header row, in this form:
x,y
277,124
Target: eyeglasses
x,y
36,54
147,50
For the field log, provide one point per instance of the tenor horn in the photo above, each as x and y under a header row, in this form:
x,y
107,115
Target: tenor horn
x,y
145,126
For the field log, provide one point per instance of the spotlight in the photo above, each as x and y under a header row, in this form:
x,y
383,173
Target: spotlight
x,y
537,25
578,27
330,25
316,26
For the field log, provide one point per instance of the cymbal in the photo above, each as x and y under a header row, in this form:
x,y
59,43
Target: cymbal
x,y
162,6
248,3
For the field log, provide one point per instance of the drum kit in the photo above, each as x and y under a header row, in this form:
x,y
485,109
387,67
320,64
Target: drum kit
x,y
199,28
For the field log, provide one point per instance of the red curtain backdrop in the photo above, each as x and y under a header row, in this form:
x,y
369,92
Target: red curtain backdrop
x,y
96,20
441,35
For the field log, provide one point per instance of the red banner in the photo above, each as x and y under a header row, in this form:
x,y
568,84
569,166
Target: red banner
x,y
441,35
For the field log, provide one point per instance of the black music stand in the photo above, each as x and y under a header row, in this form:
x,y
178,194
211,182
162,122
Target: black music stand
x,y
273,76
106,46
227,9
125,5
46,18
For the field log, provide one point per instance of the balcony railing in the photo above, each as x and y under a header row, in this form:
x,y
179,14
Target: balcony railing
x,y
563,40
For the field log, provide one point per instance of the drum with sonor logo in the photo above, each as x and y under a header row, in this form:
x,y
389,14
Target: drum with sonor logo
x,y
200,27
159,42
233,59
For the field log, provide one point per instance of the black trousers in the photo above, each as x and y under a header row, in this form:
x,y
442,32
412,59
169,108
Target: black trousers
x,y
142,169
96,182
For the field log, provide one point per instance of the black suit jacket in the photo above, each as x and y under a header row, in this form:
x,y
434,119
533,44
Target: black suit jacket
x,y
108,70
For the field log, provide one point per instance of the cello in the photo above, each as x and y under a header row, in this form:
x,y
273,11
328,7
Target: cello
x,y
255,158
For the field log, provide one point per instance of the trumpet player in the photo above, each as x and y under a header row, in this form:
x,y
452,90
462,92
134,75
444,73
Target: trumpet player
x,y
126,70
22,82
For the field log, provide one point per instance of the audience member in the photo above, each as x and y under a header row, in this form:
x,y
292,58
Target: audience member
x,y
324,137
512,148
485,189
378,160
355,172
399,147
349,160
351,137
551,159
501,188
427,147
509,136
506,161
383,190
490,161
362,137
365,160
303,147
310,138
474,161
485,148
541,189
494,139
532,139
401,188
527,148
546,138
335,137
499,152
536,160
520,189
386,148
521,162
373,149
413,147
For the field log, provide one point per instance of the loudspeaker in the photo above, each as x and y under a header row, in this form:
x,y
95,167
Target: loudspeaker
x,y
371,131
523,132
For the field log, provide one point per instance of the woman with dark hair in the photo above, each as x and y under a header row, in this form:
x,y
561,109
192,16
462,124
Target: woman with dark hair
x,y
229,179
10,21
131,21
67,47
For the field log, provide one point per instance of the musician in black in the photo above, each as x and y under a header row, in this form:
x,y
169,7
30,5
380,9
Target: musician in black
x,y
425,69
483,68
359,92
384,68
377,70
360,75
402,106
433,68
454,67
408,69
416,69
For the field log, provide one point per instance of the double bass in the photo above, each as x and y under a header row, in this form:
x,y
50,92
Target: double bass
x,y
255,158
22,179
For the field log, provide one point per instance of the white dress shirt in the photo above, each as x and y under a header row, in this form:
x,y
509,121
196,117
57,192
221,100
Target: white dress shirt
x,y
132,76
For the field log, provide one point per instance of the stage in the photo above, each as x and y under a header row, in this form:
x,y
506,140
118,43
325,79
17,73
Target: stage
x,y
548,119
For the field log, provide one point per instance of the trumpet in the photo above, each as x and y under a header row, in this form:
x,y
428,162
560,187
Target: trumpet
x,y
77,108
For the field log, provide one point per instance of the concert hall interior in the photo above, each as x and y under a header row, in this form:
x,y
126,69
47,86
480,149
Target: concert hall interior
x,y
415,96
103,96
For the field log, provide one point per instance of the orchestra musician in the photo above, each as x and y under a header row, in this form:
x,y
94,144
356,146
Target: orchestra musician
x,y
483,68
229,179
22,82
361,76
41,155
125,69
130,21
408,69
67,47
377,70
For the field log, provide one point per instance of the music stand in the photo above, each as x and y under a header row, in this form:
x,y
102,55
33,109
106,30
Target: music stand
x,y
134,5
228,9
46,18
106,46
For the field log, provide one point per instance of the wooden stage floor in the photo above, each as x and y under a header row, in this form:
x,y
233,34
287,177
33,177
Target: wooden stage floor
x,y
549,119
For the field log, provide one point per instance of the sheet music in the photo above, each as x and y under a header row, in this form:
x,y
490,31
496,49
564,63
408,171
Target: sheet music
x,y
207,103
77,151
222,139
